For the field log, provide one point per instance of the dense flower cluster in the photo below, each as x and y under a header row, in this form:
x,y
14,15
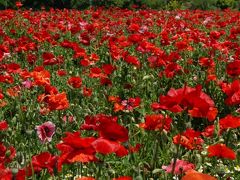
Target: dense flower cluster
x,y
118,93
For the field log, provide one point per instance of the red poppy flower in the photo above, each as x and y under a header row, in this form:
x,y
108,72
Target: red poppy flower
x,y
84,38
233,68
48,59
127,105
211,77
108,68
58,101
122,151
6,79
135,38
31,58
45,160
135,148
5,173
198,103
79,52
1,95
114,99
92,122
3,125
76,149
2,103
113,131
41,77
6,154
209,131
181,45
50,89
21,175
221,151
132,60
172,69
215,35
96,72
189,139
156,122
206,62
133,27
105,81
156,61
87,92
75,82
229,122
14,91
61,72
194,175
105,146
232,91
13,68
18,4
123,178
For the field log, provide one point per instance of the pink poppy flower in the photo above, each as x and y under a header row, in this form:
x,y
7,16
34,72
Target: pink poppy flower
x,y
27,84
181,166
46,131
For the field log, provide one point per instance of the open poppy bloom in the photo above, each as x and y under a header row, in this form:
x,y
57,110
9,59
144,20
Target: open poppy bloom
x,y
156,122
75,82
126,105
46,131
41,76
5,173
87,92
189,139
6,154
75,148
194,99
58,101
194,175
180,167
18,4
3,125
105,146
229,122
45,160
233,68
232,91
221,151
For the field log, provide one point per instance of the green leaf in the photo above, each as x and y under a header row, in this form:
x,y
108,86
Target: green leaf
x,y
156,171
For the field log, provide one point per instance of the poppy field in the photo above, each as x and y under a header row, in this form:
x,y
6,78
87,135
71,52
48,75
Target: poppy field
x,y
119,94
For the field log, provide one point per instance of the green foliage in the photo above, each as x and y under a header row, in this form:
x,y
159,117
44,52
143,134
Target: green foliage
x,y
155,4
211,4
202,4
6,3
122,3
227,4
79,4
174,4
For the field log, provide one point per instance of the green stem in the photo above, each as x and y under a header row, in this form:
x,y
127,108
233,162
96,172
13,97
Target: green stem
x,y
228,137
175,159
155,150
99,169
